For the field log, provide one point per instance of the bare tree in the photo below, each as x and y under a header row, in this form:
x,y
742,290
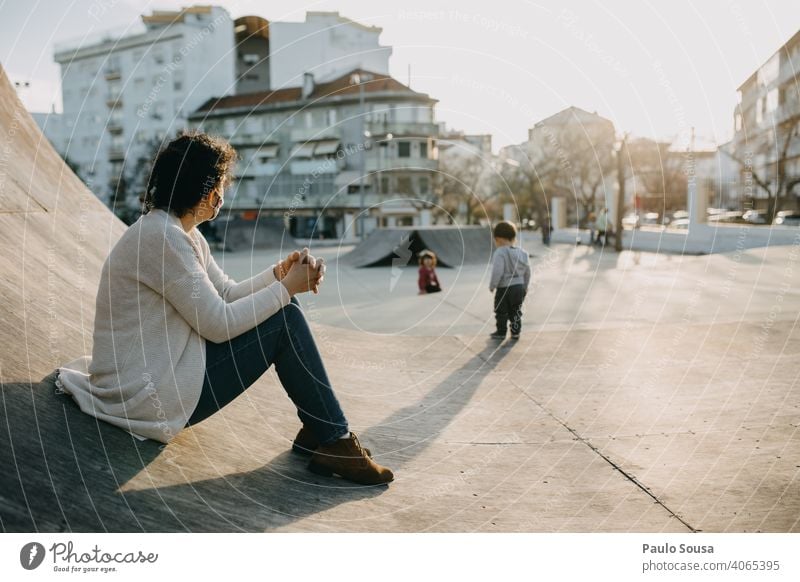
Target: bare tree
x,y
529,180
774,178
589,163
465,181
658,172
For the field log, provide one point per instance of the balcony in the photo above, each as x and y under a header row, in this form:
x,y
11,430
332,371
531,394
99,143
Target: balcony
x,y
316,166
387,165
114,102
400,129
114,127
259,169
116,153
314,133
113,74
250,139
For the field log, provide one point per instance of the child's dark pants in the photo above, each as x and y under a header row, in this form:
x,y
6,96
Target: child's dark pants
x,y
508,308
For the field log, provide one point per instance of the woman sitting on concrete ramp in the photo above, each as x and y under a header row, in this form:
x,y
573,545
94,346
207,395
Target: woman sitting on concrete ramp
x,y
175,339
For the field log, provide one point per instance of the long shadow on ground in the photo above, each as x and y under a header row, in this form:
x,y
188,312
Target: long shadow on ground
x,y
64,468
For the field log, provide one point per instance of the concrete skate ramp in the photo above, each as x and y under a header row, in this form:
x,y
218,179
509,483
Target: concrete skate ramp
x,y
453,245
238,234
54,237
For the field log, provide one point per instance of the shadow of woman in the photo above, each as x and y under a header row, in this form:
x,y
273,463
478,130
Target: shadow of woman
x,y
63,468
282,491
67,468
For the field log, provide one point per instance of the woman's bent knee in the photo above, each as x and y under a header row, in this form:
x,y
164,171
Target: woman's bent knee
x,y
289,316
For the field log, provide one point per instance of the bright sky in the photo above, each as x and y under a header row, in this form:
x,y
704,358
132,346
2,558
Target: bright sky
x,y
655,69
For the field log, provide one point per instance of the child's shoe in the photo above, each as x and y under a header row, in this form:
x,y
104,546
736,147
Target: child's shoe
x,y
498,335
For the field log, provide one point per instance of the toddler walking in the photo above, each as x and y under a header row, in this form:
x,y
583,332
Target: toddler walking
x,y
511,275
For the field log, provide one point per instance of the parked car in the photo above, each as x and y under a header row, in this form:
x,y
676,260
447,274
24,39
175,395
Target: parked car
x,y
726,216
630,221
649,218
680,215
788,218
681,223
755,217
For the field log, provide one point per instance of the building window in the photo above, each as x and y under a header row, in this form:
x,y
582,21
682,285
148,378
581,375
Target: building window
x,y
158,110
772,100
386,184
738,122
331,117
404,149
404,185
252,125
424,184
353,188
250,58
404,115
423,150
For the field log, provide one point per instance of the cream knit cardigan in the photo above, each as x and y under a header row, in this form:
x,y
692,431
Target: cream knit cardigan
x,y
161,295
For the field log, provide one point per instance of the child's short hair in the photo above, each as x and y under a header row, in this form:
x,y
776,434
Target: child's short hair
x,y
506,230
426,253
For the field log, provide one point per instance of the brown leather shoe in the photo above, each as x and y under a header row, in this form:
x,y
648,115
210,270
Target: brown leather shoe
x,y
305,443
348,459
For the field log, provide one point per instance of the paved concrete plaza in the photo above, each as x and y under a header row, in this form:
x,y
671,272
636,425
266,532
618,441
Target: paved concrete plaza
x,y
648,393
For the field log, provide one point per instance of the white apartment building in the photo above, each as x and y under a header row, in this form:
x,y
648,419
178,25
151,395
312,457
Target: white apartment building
x,y
124,93
326,45
769,112
306,151
53,126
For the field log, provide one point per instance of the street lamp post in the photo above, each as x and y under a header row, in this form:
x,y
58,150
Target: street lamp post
x,y
623,151
387,139
357,78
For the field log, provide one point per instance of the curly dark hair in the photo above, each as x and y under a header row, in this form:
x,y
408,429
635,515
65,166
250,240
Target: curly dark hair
x,y
189,167
426,253
505,230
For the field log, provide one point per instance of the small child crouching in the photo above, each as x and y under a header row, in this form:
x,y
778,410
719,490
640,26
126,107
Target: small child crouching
x,y
428,281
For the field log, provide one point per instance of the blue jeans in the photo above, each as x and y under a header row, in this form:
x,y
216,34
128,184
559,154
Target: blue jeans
x,y
285,340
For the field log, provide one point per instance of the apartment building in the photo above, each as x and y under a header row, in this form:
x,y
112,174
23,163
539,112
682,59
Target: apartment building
x,y
125,91
766,125
309,153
